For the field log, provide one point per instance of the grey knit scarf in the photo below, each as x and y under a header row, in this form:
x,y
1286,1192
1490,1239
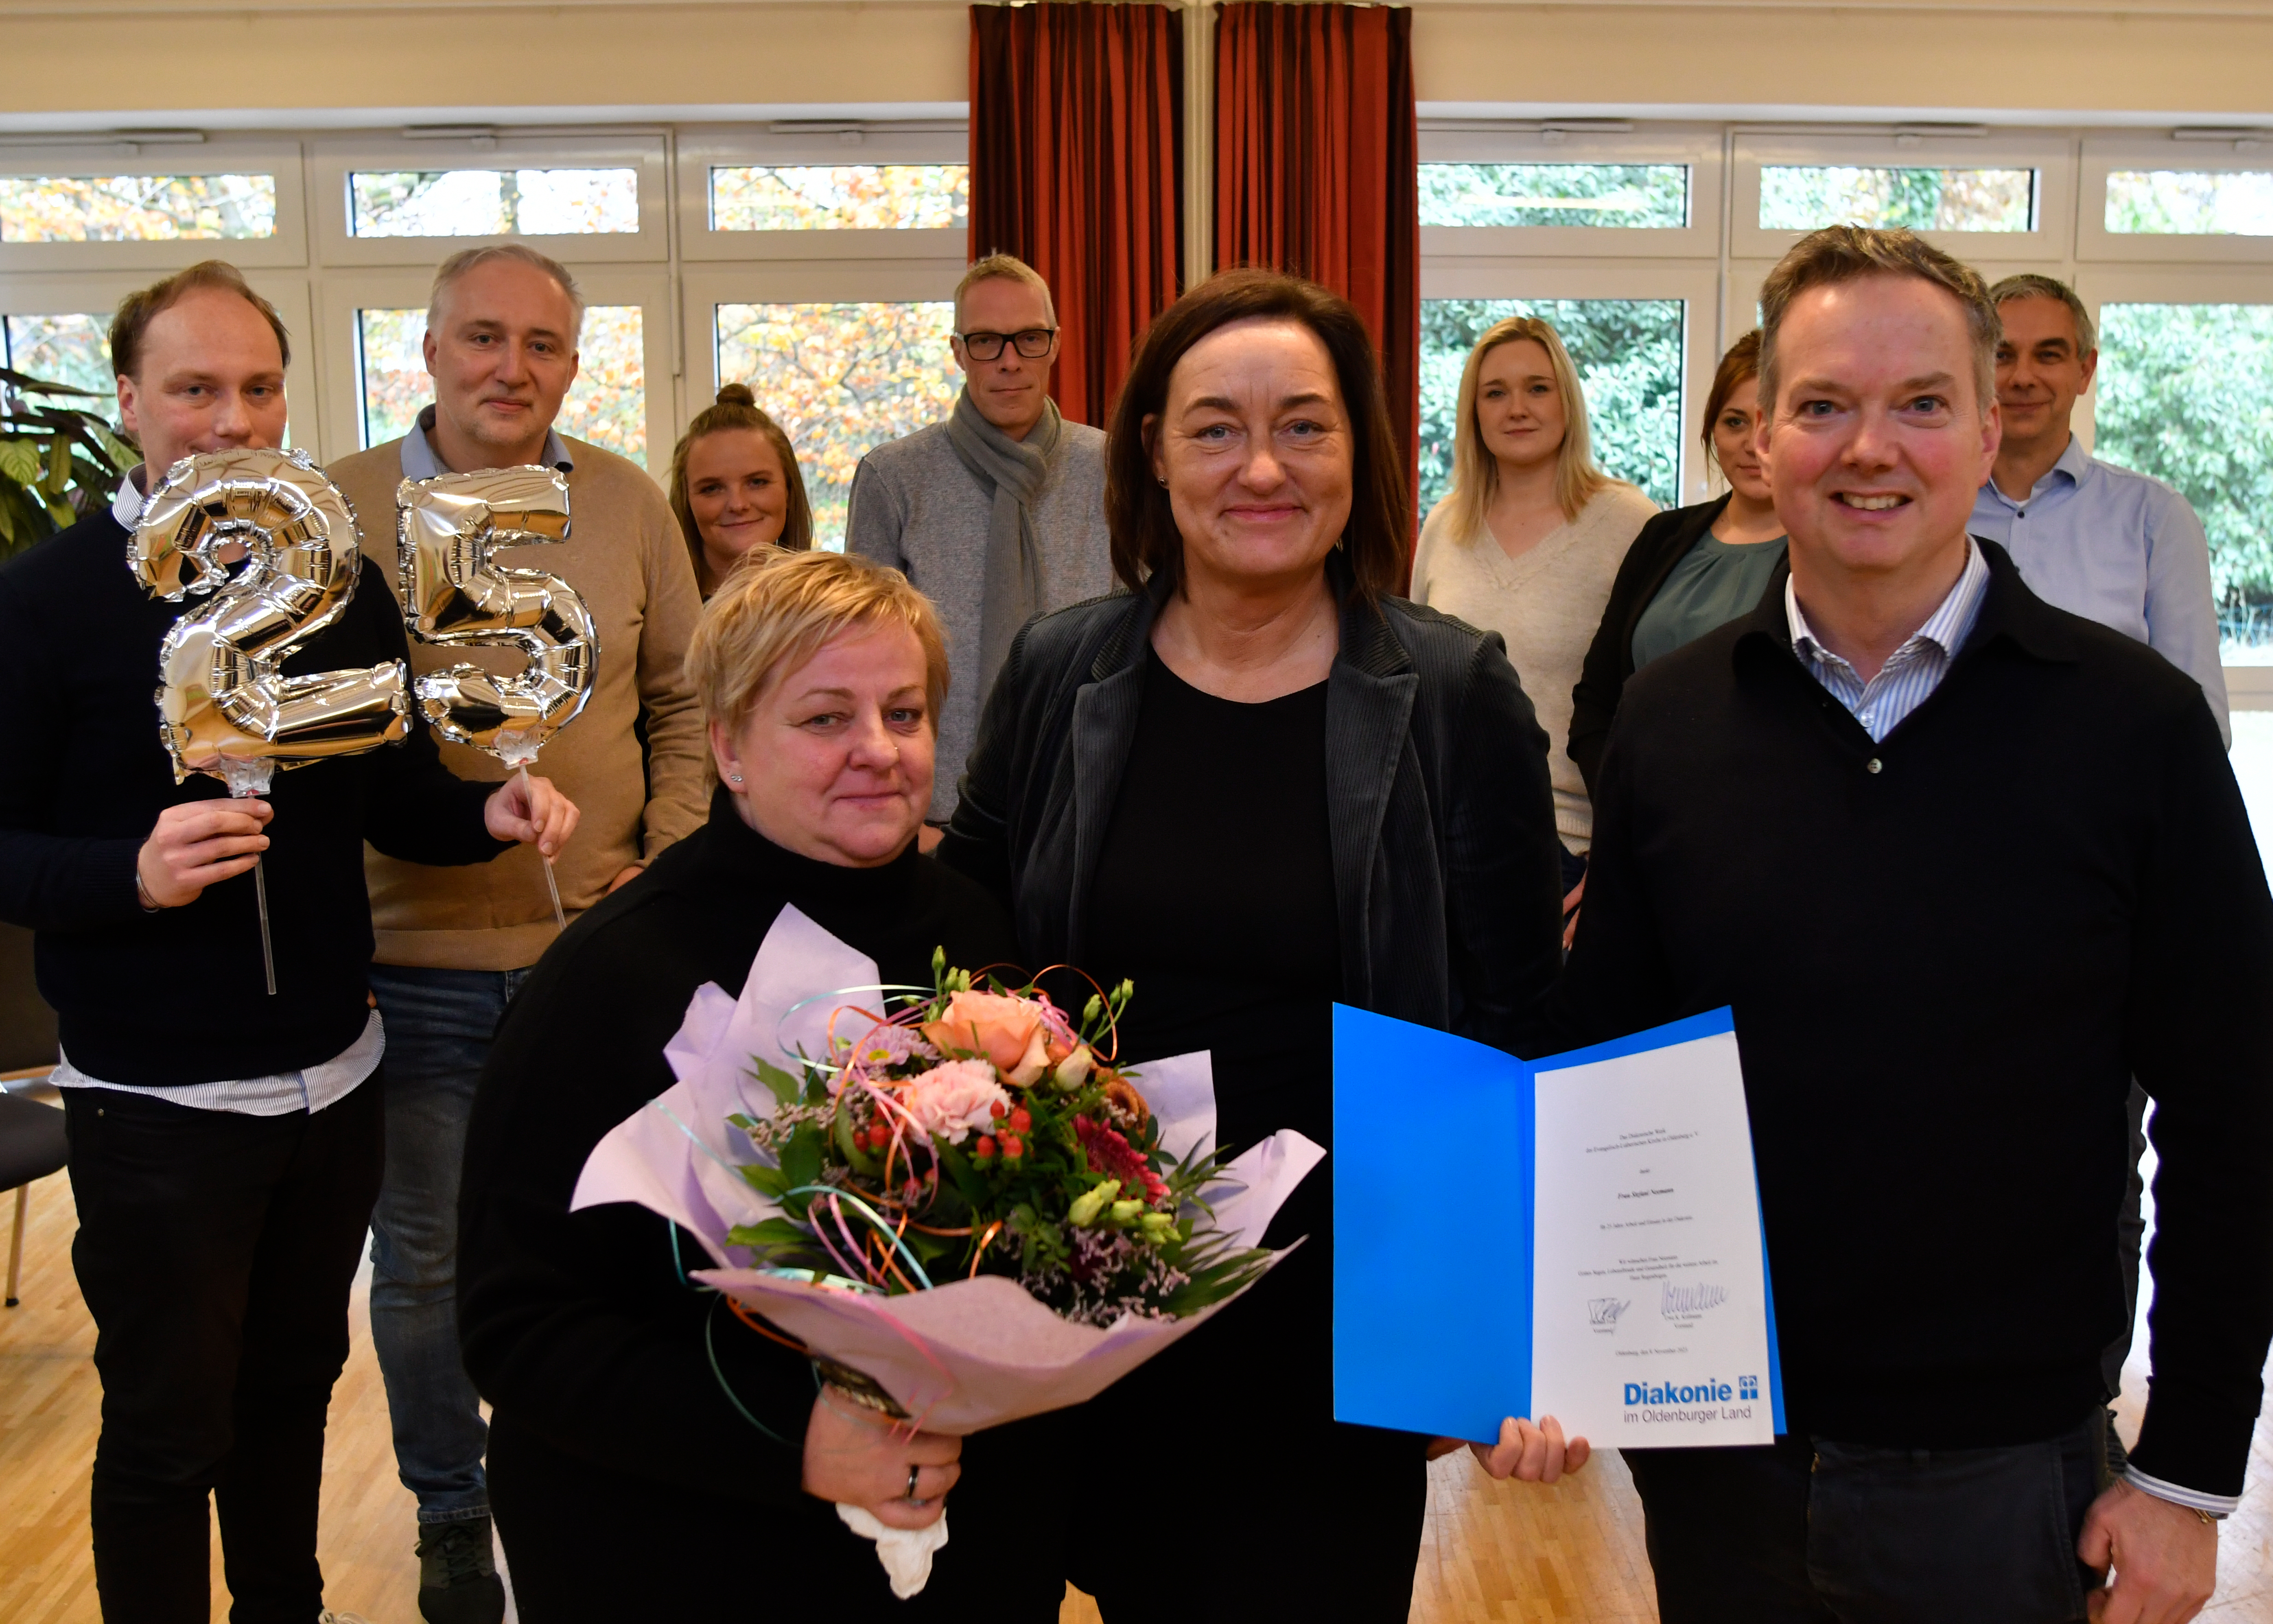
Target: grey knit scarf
x,y
1013,470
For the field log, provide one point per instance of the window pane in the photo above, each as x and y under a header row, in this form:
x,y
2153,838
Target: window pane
x,y
607,404
1800,199
493,202
135,208
1554,194
840,378
2191,202
1628,353
2186,394
72,349
865,197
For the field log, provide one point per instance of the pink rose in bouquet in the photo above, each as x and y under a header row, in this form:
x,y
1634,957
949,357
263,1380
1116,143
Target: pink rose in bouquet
x,y
950,1100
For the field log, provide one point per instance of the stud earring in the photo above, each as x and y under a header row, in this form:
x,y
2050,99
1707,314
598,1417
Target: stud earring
x,y
733,778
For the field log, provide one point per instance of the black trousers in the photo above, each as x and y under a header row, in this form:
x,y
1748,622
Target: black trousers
x,y
1827,1533
215,1252
1280,1512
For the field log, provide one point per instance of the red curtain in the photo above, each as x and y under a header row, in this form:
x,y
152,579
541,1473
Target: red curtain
x,y
1316,145
1076,167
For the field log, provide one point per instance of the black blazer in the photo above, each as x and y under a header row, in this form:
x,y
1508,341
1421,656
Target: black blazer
x,y
1446,870
1610,657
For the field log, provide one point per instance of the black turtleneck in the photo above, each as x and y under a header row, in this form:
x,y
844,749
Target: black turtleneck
x,y
576,1325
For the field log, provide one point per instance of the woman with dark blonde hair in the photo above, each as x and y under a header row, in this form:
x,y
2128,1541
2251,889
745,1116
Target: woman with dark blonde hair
x,y
1528,540
1258,783
642,1436
735,485
1692,569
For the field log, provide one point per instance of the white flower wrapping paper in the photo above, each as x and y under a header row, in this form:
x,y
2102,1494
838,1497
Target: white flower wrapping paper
x,y
969,1354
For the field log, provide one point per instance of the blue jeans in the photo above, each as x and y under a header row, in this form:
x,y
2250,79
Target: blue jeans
x,y
438,1027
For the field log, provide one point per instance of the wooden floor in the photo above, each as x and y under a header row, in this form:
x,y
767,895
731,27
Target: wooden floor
x,y
1492,1551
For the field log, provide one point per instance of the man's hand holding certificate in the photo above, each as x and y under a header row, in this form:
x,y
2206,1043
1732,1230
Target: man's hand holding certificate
x,y
1578,1236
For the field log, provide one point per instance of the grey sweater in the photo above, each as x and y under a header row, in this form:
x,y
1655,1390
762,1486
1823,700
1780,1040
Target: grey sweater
x,y
914,505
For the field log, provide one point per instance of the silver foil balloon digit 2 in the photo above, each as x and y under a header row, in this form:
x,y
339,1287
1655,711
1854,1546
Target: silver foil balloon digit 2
x,y
456,594
223,706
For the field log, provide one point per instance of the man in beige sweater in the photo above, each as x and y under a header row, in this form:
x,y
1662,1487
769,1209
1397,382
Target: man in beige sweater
x,y
455,944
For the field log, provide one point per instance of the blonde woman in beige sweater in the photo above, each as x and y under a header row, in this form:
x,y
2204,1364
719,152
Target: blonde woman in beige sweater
x,y
1529,539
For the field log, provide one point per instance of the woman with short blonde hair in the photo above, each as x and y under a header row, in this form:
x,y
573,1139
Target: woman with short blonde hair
x,y
1530,536
778,612
633,1415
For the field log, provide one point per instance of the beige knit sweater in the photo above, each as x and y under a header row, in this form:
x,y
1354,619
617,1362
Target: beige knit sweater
x,y
625,556
1546,604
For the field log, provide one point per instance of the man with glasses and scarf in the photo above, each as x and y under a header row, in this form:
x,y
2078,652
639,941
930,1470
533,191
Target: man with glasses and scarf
x,y
998,514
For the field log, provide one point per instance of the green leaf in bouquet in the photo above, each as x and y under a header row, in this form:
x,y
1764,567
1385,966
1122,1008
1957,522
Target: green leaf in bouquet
x,y
786,1088
930,1249
961,1173
802,1156
770,1181
773,1234
859,1160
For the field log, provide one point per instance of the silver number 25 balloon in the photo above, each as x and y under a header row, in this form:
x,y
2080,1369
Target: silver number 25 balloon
x,y
456,594
224,708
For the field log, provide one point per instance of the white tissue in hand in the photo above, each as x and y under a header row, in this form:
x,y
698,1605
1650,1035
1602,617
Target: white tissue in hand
x,y
906,1553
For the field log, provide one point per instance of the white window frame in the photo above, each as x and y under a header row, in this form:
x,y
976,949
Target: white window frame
x,y
340,296
700,152
279,159
2104,155
1695,283
330,162
2051,154
2249,687
850,282
284,288
1481,141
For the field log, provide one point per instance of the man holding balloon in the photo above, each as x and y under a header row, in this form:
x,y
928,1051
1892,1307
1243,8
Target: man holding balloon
x,y
207,952
499,649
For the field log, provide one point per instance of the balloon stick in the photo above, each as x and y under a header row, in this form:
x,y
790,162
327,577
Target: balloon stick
x,y
268,951
551,882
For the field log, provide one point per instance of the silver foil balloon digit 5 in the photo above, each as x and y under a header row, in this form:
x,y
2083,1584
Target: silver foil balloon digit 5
x,y
223,706
455,594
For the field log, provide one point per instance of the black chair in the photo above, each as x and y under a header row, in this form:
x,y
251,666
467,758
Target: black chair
x,y
31,1134
31,1147
27,1026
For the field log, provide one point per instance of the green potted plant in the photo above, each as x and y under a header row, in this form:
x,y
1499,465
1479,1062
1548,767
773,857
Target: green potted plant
x,y
57,462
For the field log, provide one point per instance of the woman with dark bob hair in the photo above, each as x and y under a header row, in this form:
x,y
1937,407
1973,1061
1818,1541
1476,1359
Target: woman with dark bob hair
x,y
1257,783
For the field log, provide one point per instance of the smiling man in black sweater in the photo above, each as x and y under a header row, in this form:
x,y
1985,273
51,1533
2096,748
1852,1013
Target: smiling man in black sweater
x,y
225,1144
1963,865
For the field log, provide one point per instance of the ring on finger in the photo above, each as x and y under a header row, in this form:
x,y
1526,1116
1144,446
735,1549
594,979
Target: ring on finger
x,y
912,1472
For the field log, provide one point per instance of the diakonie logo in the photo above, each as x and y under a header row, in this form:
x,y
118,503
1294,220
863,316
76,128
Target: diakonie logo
x,y
1711,1391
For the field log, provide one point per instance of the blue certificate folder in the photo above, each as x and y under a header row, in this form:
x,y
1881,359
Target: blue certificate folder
x,y
1435,1172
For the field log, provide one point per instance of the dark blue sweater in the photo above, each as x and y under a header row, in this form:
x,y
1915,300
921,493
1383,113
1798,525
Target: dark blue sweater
x,y
176,997
1948,954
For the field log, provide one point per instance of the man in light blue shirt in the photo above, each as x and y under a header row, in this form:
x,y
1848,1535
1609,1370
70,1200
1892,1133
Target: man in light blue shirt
x,y
2096,540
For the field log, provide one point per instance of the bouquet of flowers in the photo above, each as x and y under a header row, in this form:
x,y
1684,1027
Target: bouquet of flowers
x,y
963,1211
978,1129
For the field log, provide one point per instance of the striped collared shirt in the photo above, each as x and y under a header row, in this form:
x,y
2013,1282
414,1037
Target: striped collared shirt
x,y
1908,679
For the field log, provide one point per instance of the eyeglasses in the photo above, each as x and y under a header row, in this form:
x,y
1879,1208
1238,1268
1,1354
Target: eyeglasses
x,y
1034,343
